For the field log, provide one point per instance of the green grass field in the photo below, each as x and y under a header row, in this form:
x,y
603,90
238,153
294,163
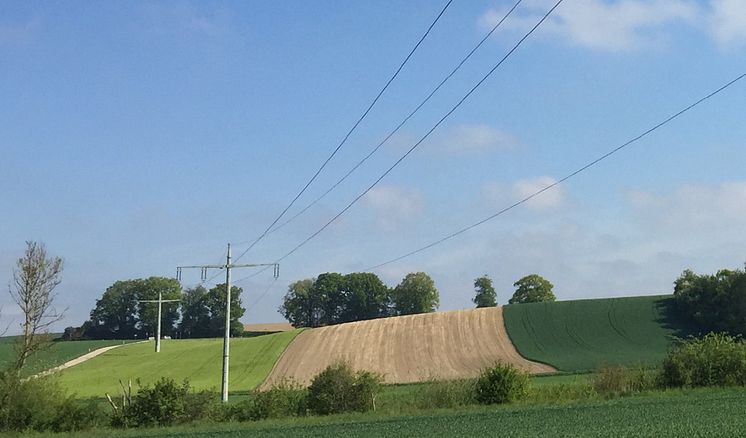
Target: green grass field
x,y
586,334
690,413
199,360
57,354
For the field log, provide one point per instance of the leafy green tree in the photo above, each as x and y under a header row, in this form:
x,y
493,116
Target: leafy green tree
x,y
415,294
327,293
365,297
532,289
299,306
485,292
195,316
215,304
115,314
713,302
147,313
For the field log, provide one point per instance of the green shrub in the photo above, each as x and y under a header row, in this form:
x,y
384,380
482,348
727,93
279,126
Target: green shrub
x,y
618,380
339,389
41,404
286,399
713,360
163,404
502,383
438,394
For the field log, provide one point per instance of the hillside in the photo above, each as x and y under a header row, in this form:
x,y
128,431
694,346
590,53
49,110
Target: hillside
x,y
405,349
199,360
58,353
583,335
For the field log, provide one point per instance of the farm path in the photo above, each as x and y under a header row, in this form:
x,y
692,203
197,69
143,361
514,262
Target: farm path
x,y
83,358
405,349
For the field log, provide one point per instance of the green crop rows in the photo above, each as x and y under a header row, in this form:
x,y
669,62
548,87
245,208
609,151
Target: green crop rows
x,y
583,335
57,354
199,360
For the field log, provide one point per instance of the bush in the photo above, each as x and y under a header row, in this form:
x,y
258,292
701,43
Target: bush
x,y
41,404
714,360
447,394
502,383
339,389
617,380
164,404
286,399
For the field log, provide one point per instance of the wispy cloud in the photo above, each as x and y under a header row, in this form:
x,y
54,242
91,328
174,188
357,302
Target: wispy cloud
x,y
727,22
394,205
603,25
502,195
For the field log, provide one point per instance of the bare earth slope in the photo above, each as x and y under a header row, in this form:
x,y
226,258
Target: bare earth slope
x,y
405,349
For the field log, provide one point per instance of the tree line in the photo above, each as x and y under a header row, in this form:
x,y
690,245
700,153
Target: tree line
x,y
199,313
333,298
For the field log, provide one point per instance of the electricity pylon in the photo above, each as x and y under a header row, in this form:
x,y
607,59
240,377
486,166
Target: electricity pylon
x,y
226,339
160,301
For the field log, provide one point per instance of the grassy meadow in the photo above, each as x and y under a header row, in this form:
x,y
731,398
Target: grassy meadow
x,y
586,334
199,360
57,354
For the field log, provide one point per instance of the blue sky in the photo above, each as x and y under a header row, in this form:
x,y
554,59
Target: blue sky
x,y
140,136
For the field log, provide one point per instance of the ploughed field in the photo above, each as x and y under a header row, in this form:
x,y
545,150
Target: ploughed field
x,y
587,334
443,345
199,360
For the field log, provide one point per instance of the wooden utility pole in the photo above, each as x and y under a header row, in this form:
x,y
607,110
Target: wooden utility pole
x,y
226,339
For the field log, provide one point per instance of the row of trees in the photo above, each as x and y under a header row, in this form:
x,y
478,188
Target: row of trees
x,y
333,298
120,314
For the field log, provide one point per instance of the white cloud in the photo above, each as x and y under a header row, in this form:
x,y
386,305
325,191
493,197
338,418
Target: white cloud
x,y
502,194
693,209
475,139
604,25
727,22
394,205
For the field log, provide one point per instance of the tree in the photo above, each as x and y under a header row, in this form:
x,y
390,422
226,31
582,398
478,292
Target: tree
x,y
34,279
299,305
147,313
327,295
713,302
195,316
119,315
115,313
532,289
215,304
486,295
365,297
415,294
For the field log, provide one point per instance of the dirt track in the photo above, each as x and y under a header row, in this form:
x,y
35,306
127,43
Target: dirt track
x,y
405,349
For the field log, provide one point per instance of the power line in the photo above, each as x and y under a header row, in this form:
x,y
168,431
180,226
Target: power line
x,y
454,108
570,175
402,123
344,139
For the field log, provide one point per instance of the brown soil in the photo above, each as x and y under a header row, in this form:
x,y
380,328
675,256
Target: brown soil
x,y
444,345
270,327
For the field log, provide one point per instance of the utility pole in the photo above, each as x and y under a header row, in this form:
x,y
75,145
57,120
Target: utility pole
x,y
160,302
226,339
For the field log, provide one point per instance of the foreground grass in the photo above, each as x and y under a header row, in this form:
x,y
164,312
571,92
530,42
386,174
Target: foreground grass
x,y
587,334
702,412
198,360
58,353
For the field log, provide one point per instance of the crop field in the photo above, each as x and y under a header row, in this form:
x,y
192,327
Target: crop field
x,y
583,335
443,345
57,354
693,413
199,360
